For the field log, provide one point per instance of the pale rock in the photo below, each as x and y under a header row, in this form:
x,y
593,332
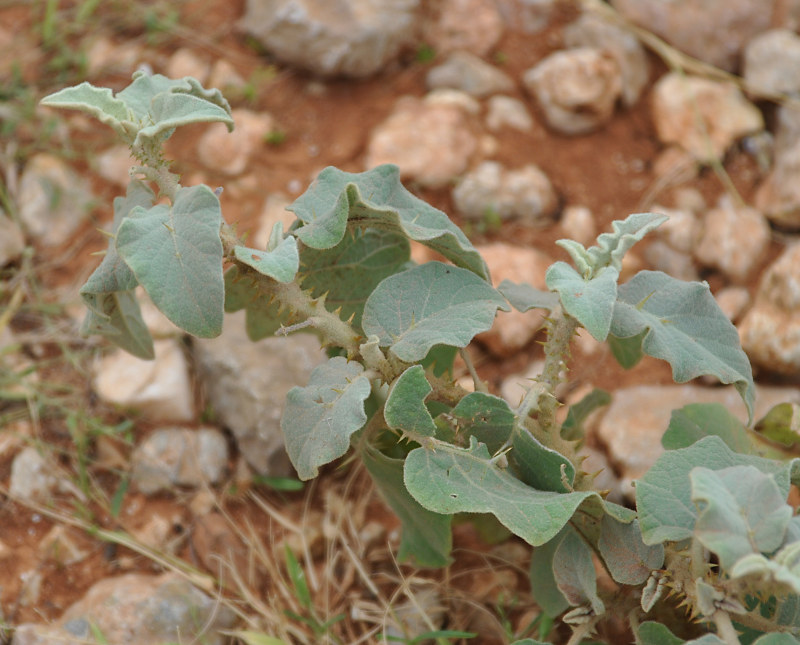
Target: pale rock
x,y
12,241
515,386
230,152
30,595
156,533
632,426
32,477
524,193
114,165
272,212
136,609
688,198
590,30
246,384
353,38
105,57
224,76
450,97
703,116
507,112
772,63
466,72
467,25
715,31
187,62
663,257
432,143
577,89
577,223
681,231
172,457
674,165
778,196
513,330
528,16
770,331
160,389
61,547
733,301
53,199
735,240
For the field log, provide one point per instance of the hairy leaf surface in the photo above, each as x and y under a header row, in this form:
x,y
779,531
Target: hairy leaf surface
x,y
280,264
698,420
589,300
524,297
405,405
428,305
629,560
573,570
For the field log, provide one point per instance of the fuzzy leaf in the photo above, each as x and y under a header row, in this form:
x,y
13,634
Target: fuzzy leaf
x,y
466,480
319,418
349,272
524,297
486,417
777,639
117,316
405,409
176,255
629,560
338,200
574,572
664,494
741,511
686,328
262,317
170,110
573,426
627,351
543,583
652,633
428,305
98,102
589,300
426,537
281,264
781,424
698,420
706,639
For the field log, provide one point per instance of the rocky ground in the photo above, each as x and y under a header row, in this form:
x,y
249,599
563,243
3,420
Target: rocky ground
x,y
164,484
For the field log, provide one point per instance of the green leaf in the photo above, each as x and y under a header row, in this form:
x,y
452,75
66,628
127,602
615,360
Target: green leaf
x,y
628,559
170,110
543,583
319,419
280,264
298,578
440,359
627,351
686,328
740,511
524,297
707,639
117,316
652,633
573,570
405,409
612,247
426,536
176,255
428,305
781,424
98,102
486,417
349,272
664,494
376,199
467,480
572,428
262,317
589,300
697,420
777,639
539,466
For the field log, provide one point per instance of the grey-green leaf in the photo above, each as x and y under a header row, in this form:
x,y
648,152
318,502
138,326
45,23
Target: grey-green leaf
x,y
698,420
652,633
628,559
573,570
524,297
686,328
664,495
426,537
466,480
432,304
262,317
543,583
338,200
349,272
319,418
589,300
627,351
280,264
117,316
99,102
573,426
776,639
741,511
176,255
170,110
781,424
405,409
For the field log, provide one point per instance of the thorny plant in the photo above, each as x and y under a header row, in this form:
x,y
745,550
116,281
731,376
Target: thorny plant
x,y
711,527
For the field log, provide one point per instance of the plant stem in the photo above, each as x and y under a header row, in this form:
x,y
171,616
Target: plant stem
x,y
580,632
480,386
725,629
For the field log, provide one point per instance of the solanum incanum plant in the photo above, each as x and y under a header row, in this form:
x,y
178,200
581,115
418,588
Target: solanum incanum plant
x,y
711,530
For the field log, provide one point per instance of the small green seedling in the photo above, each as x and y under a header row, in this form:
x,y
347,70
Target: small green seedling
x,y
711,525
